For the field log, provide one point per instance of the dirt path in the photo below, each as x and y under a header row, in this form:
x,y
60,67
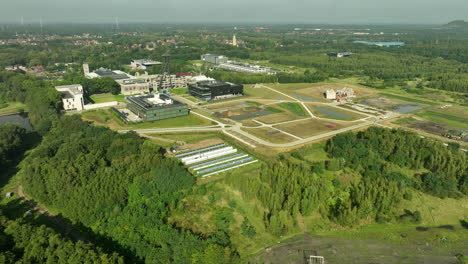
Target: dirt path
x,y
56,220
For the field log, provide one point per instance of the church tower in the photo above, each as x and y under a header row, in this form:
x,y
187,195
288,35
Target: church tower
x,y
234,40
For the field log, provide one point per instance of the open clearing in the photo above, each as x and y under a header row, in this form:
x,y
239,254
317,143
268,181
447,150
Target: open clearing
x,y
269,134
12,108
310,127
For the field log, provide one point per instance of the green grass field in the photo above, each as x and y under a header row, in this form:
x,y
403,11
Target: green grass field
x,y
12,108
106,118
107,97
188,138
293,107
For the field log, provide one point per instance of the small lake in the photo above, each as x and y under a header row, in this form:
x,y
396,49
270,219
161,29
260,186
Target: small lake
x,y
332,113
306,98
406,108
21,120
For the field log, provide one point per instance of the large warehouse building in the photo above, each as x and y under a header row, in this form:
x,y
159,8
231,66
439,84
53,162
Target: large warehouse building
x,y
214,58
215,90
154,107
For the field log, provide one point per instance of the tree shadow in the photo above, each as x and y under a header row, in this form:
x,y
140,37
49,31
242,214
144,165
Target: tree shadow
x,y
25,209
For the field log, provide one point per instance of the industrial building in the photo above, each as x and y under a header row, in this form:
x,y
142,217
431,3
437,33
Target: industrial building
x,y
154,107
103,72
133,86
72,97
246,68
340,54
381,44
215,90
144,64
214,58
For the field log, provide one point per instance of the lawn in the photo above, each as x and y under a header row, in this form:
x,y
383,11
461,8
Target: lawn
x,y
107,97
12,108
404,121
107,118
293,107
453,121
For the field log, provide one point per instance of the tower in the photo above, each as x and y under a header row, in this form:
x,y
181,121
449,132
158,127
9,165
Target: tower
x,y
85,68
234,40
165,72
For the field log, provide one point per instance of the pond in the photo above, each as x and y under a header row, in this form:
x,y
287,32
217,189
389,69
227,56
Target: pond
x,y
332,113
21,120
406,108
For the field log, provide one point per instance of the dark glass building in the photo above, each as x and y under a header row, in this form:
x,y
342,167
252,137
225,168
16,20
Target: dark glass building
x,y
215,90
156,107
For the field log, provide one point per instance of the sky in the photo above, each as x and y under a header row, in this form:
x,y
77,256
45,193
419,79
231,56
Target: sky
x,y
236,11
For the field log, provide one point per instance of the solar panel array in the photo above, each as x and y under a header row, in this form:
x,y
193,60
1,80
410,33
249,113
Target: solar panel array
x,y
215,159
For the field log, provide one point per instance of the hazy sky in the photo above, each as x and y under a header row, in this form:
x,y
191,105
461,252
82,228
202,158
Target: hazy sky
x,y
237,11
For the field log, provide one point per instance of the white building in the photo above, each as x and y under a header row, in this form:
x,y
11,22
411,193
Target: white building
x,y
72,97
143,64
173,81
330,94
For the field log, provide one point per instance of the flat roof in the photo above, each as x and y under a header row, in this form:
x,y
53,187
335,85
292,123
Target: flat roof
x,y
153,101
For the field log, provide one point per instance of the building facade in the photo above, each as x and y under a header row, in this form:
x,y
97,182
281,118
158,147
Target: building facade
x,y
214,58
215,90
72,97
133,86
154,107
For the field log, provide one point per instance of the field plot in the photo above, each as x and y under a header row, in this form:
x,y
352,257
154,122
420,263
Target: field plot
x,y
215,159
310,127
451,120
269,134
263,93
333,112
242,111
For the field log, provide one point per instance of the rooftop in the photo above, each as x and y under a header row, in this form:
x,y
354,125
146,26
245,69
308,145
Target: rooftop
x,y
153,101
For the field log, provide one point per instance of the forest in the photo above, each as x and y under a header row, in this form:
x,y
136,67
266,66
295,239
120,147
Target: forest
x,y
121,187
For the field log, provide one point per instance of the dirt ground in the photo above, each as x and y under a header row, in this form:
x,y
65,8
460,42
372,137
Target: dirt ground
x,y
356,251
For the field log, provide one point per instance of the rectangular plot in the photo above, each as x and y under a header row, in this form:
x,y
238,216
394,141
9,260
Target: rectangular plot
x,y
226,165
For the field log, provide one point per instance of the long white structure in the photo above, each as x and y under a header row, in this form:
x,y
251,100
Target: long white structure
x,y
208,155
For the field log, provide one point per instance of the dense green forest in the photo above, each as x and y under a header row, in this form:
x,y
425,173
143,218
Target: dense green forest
x,y
121,187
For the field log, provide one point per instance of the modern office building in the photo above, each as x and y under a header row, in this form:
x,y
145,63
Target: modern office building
x,y
172,81
72,97
133,86
154,107
144,64
214,58
215,90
